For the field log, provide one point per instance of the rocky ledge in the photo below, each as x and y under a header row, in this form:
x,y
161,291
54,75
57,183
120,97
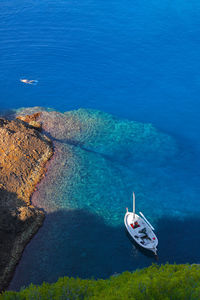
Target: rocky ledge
x,y
24,151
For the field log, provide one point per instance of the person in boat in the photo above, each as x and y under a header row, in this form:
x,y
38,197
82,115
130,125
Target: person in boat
x,y
29,81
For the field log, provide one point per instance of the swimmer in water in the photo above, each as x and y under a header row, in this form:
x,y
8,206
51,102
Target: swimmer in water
x,y
29,81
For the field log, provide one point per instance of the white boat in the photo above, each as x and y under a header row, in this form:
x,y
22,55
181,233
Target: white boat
x,y
140,229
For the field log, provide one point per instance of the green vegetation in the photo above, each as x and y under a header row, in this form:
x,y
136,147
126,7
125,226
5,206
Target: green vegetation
x,y
155,282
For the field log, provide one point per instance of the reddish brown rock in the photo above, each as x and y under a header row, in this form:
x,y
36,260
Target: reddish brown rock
x,y
32,120
24,152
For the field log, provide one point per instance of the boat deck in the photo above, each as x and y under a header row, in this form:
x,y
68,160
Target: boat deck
x,y
140,231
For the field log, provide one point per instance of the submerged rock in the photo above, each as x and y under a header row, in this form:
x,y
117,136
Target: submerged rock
x,y
99,160
24,152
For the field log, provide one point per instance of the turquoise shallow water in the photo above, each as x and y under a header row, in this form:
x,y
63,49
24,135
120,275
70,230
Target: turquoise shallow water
x,y
136,60
99,160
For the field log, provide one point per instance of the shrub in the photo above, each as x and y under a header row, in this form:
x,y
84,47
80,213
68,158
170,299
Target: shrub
x,y
155,282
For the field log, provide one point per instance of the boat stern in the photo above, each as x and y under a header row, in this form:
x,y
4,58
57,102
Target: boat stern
x,y
154,250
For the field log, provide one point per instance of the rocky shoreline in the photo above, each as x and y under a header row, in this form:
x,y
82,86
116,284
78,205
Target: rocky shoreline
x,y
24,151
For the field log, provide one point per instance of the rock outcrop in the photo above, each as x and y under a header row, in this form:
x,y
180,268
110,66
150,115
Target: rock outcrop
x,y
24,151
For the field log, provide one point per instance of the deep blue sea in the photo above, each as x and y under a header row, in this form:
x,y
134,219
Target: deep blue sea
x,y
136,60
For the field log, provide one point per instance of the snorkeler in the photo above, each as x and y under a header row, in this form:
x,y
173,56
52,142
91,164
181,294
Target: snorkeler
x,y
29,81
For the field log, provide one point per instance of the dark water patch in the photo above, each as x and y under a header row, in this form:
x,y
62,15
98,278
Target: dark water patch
x,y
179,239
77,243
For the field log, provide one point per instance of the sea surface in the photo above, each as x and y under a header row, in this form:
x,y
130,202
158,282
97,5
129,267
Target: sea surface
x,y
125,63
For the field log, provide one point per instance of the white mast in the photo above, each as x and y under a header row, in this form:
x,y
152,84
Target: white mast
x,y
133,205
